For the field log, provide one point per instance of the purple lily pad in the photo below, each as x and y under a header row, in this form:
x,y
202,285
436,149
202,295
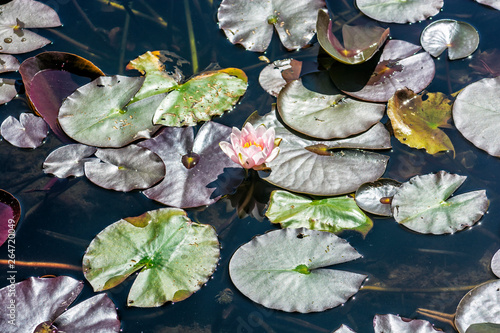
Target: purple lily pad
x,y
27,132
10,212
399,66
8,63
213,176
40,303
69,160
19,15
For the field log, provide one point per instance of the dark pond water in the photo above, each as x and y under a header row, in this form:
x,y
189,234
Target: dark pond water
x,y
413,270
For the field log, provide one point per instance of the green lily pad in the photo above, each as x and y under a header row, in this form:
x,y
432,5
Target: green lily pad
x,y
330,214
173,256
17,17
399,11
97,113
325,168
483,328
250,23
480,305
283,270
394,323
476,117
360,42
325,116
125,169
422,204
416,119
460,38
376,197
199,99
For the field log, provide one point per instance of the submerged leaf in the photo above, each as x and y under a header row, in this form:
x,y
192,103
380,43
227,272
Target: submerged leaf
x,y
125,169
17,17
27,132
10,212
250,23
416,119
399,11
394,323
283,270
460,38
174,256
68,160
360,42
330,214
422,204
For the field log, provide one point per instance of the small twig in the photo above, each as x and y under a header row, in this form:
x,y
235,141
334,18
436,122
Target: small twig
x,y
41,264
192,40
123,47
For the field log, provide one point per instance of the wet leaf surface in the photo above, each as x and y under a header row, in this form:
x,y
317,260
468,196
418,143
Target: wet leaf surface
x,y
376,197
394,323
276,75
17,17
329,214
399,11
68,160
125,169
416,119
360,42
27,132
460,38
10,212
213,175
276,268
173,256
250,23
423,204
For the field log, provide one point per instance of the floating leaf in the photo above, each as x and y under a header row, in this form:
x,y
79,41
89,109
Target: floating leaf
x,y
276,75
174,256
460,38
125,169
7,90
213,175
330,214
204,96
376,197
399,11
41,306
8,63
399,66
483,328
476,117
250,23
344,329
17,17
422,204
360,42
97,114
495,264
10,212
492,3
283,270
416,119
325,116
393,323
68,160
480,305
27,132
325,168
49,78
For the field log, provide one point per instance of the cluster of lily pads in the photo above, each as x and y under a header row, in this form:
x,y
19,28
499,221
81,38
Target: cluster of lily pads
x,y
136,133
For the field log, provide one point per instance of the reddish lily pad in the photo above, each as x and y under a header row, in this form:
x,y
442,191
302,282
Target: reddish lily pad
x,y
17,17
250,23
399,11
399,66
416,120
460,38
360,42
27,132
10,212
276,75
69,160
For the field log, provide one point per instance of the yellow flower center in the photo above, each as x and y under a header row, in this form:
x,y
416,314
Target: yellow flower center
x,y
252,143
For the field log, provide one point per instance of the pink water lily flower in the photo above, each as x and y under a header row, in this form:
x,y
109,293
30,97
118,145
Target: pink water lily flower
x,y
251,147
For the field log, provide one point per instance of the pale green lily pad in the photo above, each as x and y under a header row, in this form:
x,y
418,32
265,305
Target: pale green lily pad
x,y
476,117
330,214
250,23
483,328
393,323
403,11
325,168
422,204
97,113
199,99
376,197
480,305
460,38
69,160
174,256
283,270
325,116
